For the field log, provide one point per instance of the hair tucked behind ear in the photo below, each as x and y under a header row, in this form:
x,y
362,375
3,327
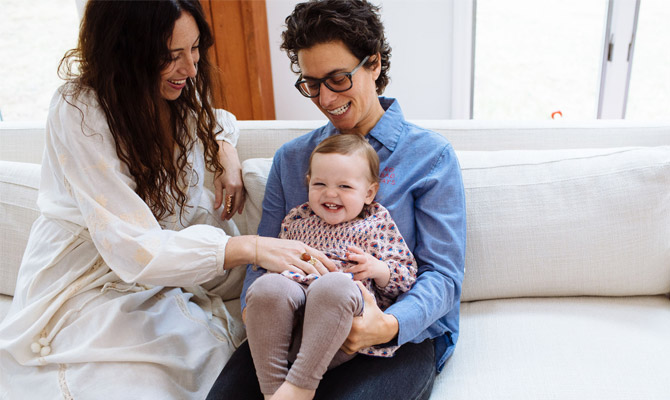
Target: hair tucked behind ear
x,y
122,49
354,22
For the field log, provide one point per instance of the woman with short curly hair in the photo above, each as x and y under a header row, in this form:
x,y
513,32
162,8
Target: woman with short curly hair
x,y
340,53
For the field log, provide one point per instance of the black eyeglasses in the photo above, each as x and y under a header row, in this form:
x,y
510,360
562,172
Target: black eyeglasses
x,y
339,82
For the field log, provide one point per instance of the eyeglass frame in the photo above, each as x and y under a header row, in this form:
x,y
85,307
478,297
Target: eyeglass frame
x,y
324,81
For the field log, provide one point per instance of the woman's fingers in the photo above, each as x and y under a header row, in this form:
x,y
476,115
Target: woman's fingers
x,y
279,255
234,202
323,264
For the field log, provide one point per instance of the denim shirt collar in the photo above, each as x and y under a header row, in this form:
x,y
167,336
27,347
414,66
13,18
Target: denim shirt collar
x,y
388,128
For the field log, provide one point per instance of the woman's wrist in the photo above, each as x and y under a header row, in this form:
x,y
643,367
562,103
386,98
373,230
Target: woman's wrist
x,y
391,327
241,250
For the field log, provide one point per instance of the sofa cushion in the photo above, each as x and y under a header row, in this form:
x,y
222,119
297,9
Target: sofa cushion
x,y
567,222
571,348
255,173
19,183
554,222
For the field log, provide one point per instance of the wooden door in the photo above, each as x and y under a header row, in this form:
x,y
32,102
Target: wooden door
x,y
242,54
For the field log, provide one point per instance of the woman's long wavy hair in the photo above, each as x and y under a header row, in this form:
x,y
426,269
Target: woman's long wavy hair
x,y
122,49
354,22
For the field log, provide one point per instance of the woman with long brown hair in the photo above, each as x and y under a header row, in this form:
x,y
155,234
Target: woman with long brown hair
x,y
123,288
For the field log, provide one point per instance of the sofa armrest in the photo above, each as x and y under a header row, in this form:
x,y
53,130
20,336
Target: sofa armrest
x,y
22,141
19,184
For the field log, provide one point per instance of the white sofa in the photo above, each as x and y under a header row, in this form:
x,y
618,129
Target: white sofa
x,y
568,251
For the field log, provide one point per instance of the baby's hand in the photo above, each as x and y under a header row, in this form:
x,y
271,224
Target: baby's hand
x,y
368,267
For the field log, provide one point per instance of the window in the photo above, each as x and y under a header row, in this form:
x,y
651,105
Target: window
x,y
586,59
534,58
649,89
34,36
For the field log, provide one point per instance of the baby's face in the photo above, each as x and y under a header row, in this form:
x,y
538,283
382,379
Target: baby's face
x,y
339,186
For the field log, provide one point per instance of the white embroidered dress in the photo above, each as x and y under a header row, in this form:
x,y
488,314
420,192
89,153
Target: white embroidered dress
x,y
111,303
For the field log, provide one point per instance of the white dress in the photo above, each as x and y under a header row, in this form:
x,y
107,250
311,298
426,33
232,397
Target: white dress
x,y
111,303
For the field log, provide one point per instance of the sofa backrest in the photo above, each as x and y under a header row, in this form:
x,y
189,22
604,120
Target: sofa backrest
x,y
24,142
548,213
578,222
552,209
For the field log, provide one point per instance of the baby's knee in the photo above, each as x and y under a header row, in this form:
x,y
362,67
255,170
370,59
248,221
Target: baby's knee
x,y
334,287
271,288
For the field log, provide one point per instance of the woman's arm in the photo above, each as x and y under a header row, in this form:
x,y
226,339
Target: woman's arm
x,y
85,182
440,253
440,217
229,183
275,255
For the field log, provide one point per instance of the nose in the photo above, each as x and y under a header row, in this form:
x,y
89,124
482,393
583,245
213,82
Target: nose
x,y
326,96
189,66
331,192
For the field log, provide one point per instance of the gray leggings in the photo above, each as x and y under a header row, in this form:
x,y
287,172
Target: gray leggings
x,y
288,322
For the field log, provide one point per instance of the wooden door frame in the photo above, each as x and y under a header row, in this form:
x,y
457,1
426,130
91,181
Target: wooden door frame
x,y
242,54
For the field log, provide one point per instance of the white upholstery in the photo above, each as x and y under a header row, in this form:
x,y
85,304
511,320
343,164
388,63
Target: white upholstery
x,y
567,222
19,183
526,212
568,251
575,348
255,175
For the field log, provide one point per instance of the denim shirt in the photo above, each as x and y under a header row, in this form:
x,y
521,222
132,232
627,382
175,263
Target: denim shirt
x,y
422,188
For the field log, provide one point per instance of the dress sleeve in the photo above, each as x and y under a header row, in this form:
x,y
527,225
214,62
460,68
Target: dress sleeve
x,y
390,247
86,172
228,123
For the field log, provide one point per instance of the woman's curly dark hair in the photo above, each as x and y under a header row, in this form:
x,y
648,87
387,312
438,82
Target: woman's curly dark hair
x,y
354,22
122,49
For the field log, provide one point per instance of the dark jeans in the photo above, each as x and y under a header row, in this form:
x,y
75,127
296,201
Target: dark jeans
x,y
409,375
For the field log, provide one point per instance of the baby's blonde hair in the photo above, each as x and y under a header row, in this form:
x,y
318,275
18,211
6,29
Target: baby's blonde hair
x,y
348,144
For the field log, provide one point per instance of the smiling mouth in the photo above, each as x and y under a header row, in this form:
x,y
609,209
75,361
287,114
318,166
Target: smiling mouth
x,y
332,206
340,110
177,84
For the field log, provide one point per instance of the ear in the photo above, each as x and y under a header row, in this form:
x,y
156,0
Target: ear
x,y
372,192
377,66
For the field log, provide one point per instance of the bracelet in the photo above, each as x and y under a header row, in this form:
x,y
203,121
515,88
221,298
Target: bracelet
x,y
255,267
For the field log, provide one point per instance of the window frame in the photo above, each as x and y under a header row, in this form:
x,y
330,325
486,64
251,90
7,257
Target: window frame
x,y
618,45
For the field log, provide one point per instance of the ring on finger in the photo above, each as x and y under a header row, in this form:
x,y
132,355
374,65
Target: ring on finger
x,y
229,203
307,257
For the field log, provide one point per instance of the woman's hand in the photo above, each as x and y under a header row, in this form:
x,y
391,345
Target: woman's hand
x,y
230,182
367,266
278,255
372,328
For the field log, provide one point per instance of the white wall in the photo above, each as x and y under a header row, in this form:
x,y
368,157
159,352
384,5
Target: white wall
x,y
420,35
